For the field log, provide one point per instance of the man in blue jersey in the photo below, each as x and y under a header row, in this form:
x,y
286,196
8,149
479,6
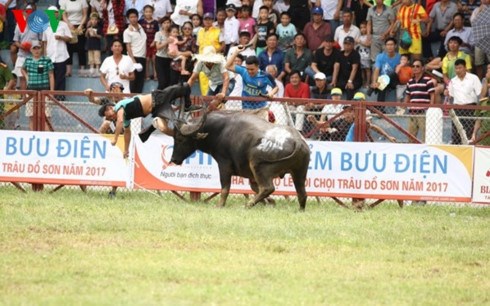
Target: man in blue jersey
x,y
255,82
158,103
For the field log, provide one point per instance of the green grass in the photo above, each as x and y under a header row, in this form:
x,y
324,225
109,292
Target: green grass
x,y
70,248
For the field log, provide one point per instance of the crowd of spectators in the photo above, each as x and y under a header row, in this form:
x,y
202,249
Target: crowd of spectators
x,y
351,45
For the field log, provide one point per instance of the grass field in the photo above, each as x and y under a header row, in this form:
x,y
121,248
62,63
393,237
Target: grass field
x,y
70,248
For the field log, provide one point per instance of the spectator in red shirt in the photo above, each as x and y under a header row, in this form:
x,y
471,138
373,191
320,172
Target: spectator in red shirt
x,y
297,89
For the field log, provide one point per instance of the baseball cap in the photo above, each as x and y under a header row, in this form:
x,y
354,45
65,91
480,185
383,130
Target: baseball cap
x,y
329,38
34,44
359,96
336,91
52,8
320,76
208,15
349,40
231,6
317,10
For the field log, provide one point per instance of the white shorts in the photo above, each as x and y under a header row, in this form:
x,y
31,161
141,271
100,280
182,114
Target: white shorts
x,y
18,65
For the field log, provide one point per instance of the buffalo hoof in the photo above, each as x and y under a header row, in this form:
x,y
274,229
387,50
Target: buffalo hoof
x,y
250,204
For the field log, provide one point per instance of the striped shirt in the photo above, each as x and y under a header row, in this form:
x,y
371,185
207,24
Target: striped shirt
x,y
38,72
408,13
419,91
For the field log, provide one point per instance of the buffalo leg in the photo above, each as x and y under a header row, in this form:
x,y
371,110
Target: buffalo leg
x,y
255,188
225,180
299,178
265,185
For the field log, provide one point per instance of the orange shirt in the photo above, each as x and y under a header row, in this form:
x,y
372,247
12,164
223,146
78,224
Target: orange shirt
x,y
407,14
404,74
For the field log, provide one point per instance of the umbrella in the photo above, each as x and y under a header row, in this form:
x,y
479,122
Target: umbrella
x,y
481,30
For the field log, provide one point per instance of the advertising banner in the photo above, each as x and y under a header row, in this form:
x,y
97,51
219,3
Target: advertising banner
x,y
481,187
342,169
61,158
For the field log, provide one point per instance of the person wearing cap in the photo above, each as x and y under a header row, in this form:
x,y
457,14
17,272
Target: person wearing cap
x,y
359,96
326,60
453,54
208,35
298,57
347,29
332,109
420,90
117,68
255,82
21,46
212,65
350,76
316,31
135,41
39,75
319,91
231,28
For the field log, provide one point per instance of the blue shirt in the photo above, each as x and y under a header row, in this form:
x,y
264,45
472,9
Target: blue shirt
x,y
132,109
386,64
277,59
350,133
253,86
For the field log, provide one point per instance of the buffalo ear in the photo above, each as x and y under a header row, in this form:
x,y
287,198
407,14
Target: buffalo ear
x,y
201,135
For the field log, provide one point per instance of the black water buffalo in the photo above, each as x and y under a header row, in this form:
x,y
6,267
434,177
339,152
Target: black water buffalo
x,y
248,146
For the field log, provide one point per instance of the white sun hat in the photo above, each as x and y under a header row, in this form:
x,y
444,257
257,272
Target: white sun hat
x,y
209,55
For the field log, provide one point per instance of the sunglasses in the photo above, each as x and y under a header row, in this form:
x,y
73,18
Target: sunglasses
x,y
416,66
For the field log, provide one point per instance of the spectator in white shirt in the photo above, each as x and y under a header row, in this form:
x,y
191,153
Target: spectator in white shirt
x,y
464,89
346,29
117,68
231,27
135,40
55,47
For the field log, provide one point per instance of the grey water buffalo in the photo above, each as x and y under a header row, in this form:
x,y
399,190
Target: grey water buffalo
x,y
245,145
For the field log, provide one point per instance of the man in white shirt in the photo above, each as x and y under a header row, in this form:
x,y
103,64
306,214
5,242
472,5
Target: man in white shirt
x,y
161,8
117,68
347,29
135,40
464,89
55,47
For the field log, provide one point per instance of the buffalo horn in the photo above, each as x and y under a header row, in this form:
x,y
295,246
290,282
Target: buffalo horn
x,y
190,129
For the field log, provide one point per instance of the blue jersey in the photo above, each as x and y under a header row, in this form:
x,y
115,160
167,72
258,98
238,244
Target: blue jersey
x,y
253,86
387,64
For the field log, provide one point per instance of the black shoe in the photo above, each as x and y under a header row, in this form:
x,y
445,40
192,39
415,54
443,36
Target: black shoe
x,y
146,133
192,108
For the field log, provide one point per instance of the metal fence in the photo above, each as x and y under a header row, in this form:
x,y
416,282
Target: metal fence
x,y
324,120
